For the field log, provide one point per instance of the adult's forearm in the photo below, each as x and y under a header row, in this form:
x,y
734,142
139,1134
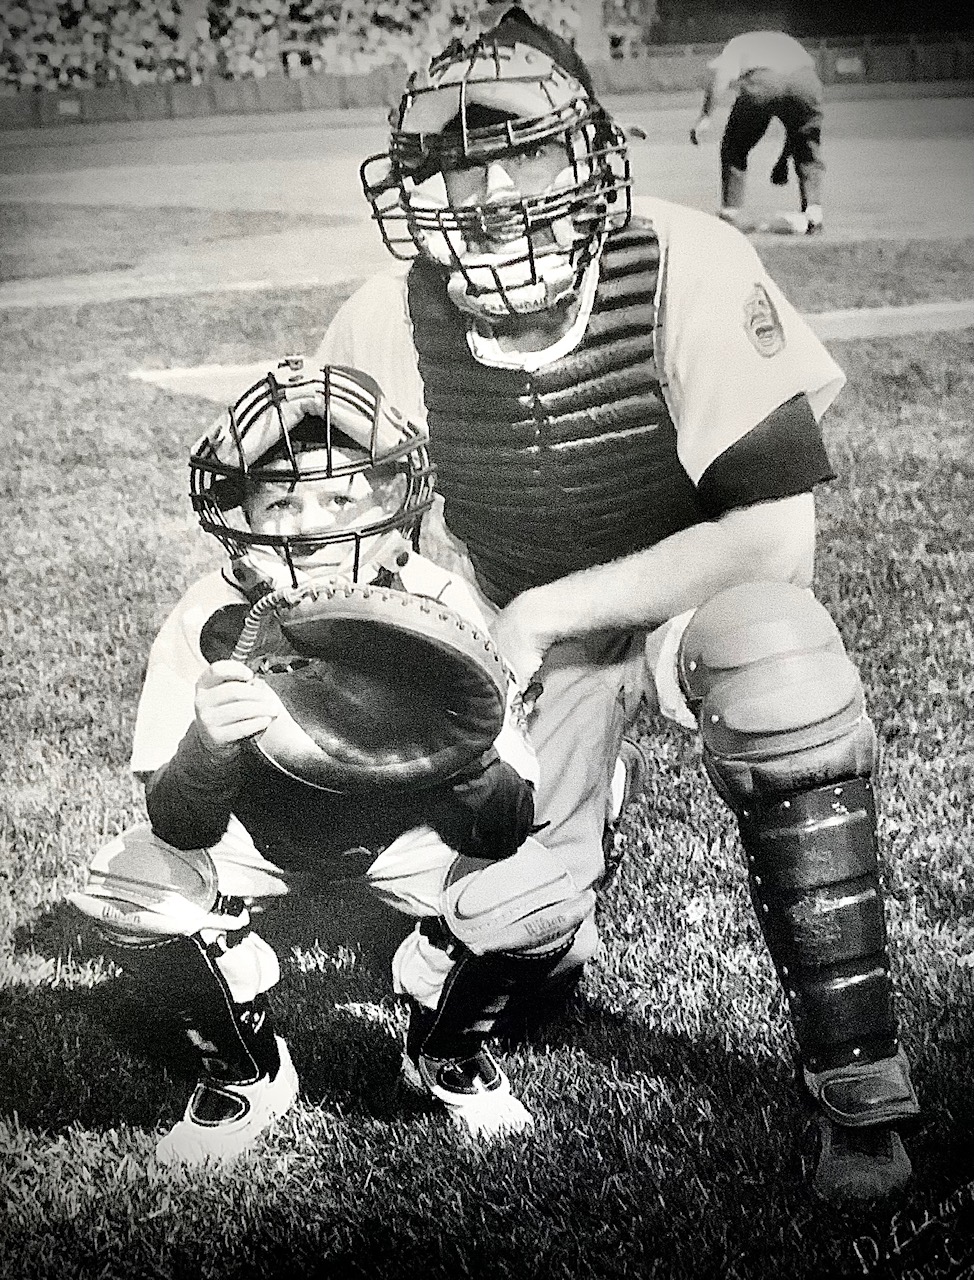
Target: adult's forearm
x,y
189,800
645,589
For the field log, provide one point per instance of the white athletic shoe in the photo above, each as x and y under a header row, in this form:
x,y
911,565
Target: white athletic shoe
x,y
815,220
629,781
222,1120
476,1094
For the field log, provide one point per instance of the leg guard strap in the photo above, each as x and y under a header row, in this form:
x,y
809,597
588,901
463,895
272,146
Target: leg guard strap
x,y
234,1040
866,1093
813,871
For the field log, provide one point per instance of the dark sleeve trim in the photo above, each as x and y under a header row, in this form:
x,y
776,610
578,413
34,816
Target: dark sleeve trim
x,y
783,455
221,631
189,800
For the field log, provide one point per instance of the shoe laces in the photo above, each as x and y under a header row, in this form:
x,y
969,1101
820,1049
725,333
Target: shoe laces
x,y
215,1104
478,1074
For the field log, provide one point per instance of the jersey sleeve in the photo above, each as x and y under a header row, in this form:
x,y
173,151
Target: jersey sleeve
x,y
167,702
736,358
371,331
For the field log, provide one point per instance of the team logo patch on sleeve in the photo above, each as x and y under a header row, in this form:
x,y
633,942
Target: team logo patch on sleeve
x,y
761,323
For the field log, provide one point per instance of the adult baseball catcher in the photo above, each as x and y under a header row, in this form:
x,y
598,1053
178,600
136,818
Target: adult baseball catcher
x,y
328,706
624,415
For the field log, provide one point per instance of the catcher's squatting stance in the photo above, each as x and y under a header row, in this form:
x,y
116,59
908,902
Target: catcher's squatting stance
x,y
775,77
380,737
624,416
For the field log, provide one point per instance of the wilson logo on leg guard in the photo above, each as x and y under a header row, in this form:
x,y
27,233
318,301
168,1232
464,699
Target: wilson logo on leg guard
x,y
140,888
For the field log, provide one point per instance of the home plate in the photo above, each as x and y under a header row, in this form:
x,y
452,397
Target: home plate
x,y
224,383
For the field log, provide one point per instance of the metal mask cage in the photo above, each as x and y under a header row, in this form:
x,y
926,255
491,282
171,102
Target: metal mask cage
x,y
234,455
433,151
536,101
513,78
600,192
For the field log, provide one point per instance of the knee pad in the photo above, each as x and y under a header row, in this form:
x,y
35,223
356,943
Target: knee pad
x,y
140,888
778,701
527,904
142,891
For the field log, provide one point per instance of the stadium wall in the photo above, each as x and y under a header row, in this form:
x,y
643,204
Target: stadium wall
x,y
859,61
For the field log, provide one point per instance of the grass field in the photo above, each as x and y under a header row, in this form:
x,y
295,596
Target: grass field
x,y
670,1132
871,273
53,240
49,240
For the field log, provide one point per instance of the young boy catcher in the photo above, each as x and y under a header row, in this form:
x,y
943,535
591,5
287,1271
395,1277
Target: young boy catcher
x,y
313,482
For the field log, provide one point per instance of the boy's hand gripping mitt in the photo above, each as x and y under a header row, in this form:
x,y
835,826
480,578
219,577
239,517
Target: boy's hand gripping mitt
x,y
381,689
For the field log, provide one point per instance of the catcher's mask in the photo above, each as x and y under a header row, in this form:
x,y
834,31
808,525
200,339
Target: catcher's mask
x,y
501,100
296,428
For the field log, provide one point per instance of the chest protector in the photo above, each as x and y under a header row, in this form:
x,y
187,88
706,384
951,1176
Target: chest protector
x,y
571,466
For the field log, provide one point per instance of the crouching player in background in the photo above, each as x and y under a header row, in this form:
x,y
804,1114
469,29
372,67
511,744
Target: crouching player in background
x,y
316,475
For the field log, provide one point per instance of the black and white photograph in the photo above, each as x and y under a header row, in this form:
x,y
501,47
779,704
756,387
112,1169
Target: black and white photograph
x,y
486,641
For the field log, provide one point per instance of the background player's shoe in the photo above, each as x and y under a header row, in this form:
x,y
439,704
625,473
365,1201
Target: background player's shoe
x,y
475,1092
815,223
636,762
779,174
223,1120
859,1164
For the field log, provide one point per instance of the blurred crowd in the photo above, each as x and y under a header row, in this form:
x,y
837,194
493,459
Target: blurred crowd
x,y
53,44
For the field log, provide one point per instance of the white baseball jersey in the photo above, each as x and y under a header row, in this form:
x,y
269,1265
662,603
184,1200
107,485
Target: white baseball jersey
x,y
730,348
758,51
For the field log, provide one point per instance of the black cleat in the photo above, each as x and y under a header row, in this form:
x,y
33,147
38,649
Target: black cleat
x,y
859,1164
475,1092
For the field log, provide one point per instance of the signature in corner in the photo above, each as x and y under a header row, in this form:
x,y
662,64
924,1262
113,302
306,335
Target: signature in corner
x,y
937,1244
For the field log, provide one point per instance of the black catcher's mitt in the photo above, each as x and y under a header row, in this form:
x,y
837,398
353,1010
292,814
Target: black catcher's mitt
x,y
382,689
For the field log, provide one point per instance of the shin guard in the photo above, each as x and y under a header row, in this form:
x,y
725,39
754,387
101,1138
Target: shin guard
x,y
234,1040
789,746
814,878
475,995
